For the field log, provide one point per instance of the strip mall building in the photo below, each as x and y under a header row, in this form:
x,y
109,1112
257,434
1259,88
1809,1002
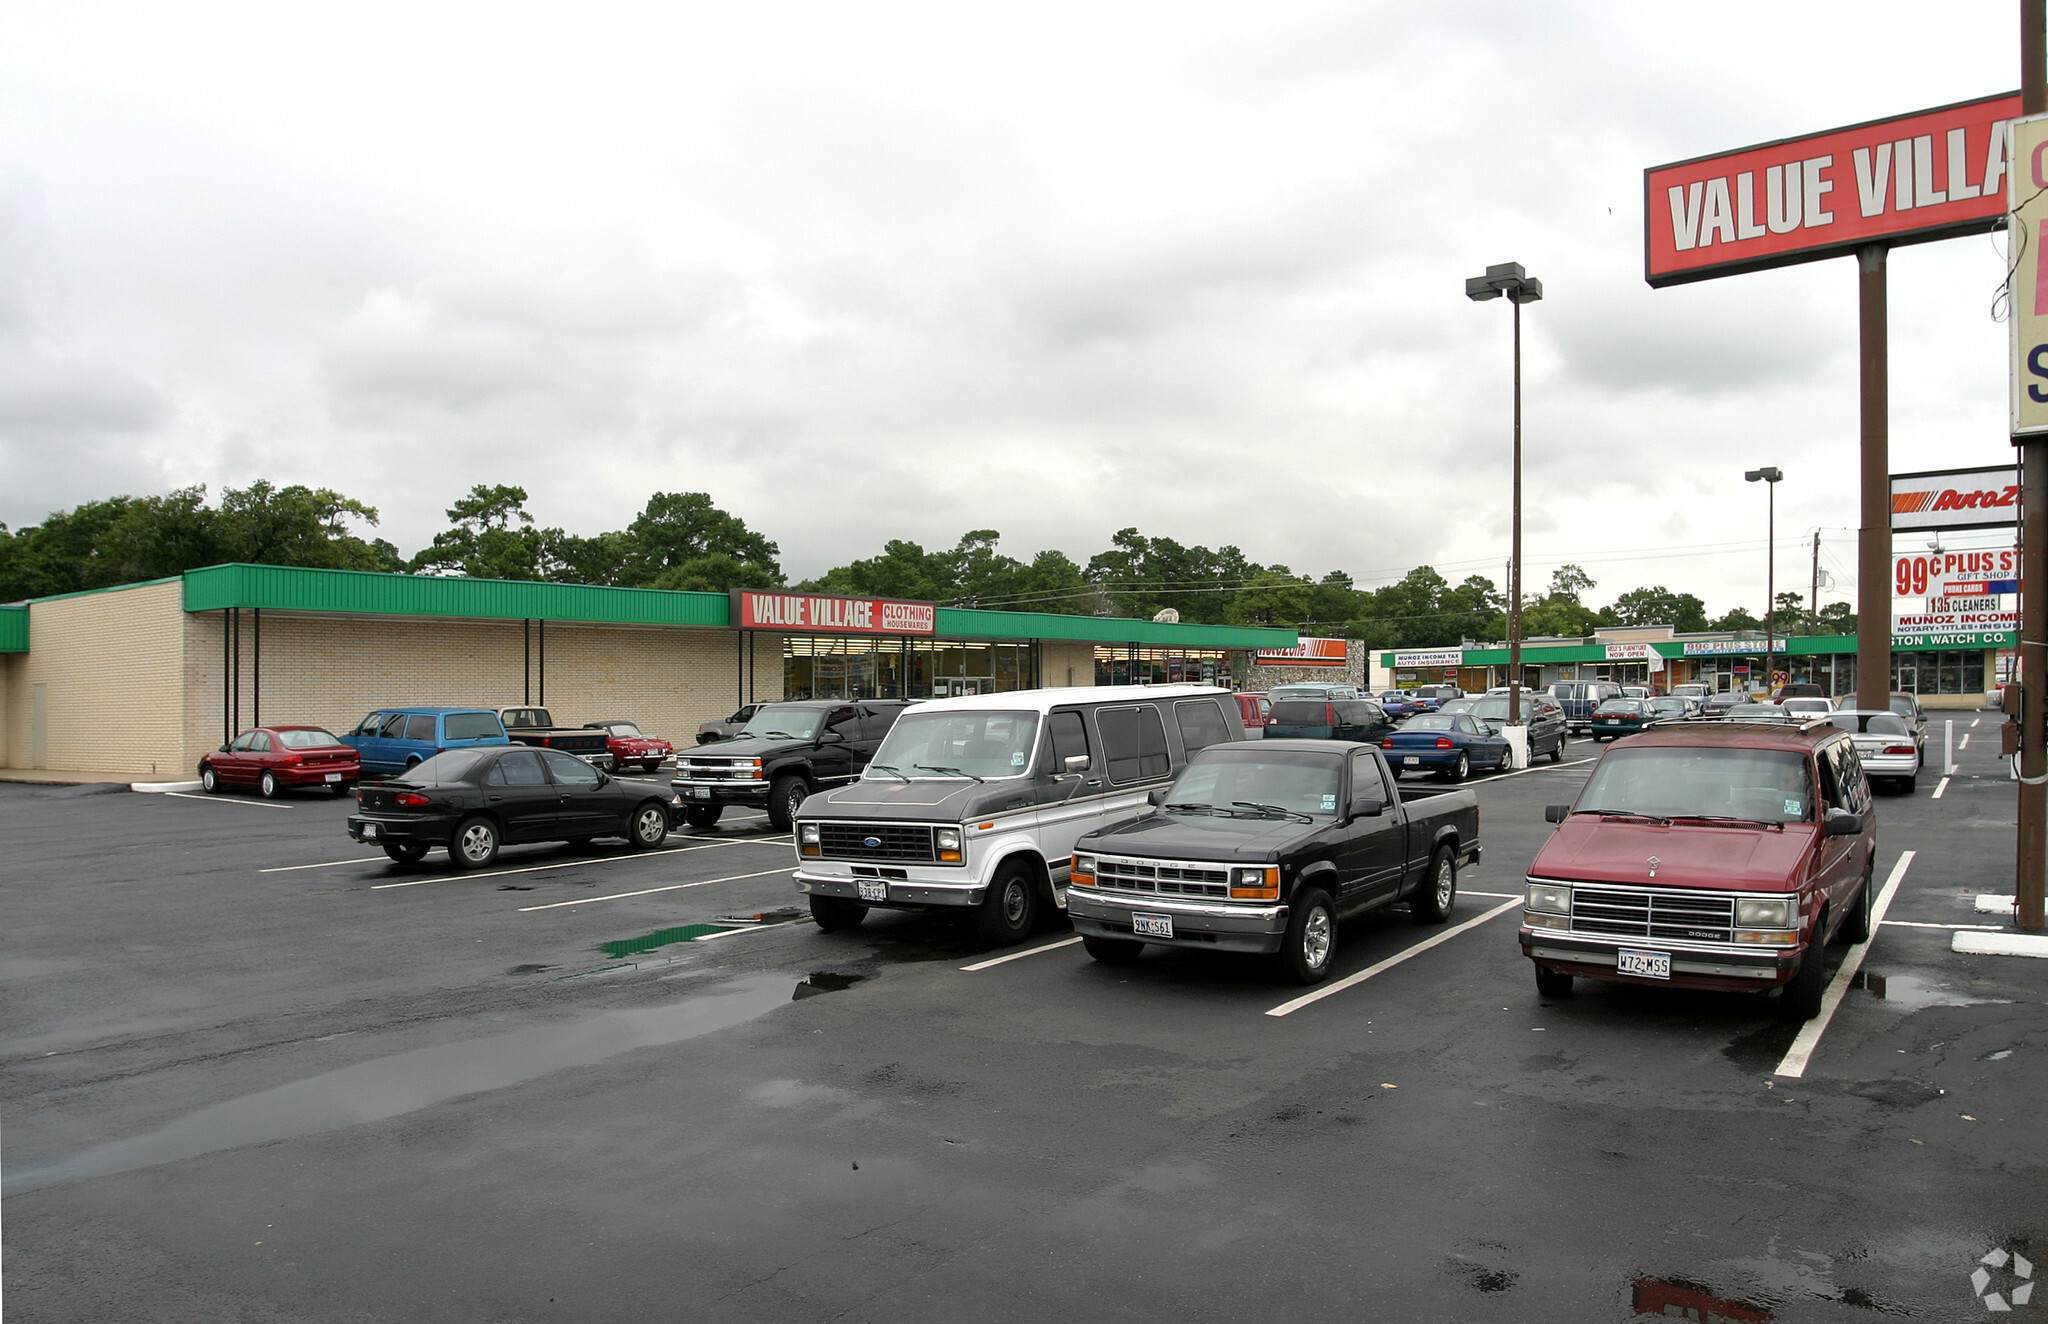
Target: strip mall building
x,y
1949,663
137,682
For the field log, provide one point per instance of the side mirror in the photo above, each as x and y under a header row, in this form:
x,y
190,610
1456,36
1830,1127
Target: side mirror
x,y
1556,813
1366,806
1075,763
223,749
831,737
1156,796
1842,823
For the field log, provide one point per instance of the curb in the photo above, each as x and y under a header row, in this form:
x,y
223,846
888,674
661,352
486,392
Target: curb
x,y
165,788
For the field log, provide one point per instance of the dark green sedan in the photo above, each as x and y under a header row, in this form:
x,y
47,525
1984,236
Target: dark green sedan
x,y
1620,717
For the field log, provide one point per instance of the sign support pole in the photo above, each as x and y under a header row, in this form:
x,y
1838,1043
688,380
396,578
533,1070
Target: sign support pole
x,y
2032,859
1874,539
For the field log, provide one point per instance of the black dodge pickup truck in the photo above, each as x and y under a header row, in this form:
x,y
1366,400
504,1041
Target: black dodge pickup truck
x,y
786,752
1264,848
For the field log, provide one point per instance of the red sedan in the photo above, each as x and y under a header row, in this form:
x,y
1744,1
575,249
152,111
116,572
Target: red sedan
x,y
629,746
274,759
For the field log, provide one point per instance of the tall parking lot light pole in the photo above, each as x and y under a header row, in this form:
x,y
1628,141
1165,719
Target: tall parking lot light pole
x,y
1769,478
1510,279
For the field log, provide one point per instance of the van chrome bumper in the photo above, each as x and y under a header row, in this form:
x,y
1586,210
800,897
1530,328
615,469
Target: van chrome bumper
x,y
902,892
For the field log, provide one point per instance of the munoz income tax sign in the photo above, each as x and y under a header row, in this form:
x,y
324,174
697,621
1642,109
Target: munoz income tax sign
x,y
1934,174
823,613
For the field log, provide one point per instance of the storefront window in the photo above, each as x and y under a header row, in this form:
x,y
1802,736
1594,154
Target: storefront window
x,y
815,667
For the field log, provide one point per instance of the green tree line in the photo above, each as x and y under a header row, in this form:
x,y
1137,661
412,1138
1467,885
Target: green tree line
x,y
682,540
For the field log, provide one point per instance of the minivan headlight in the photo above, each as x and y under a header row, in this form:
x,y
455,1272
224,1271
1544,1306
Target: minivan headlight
x,y
1758,913
1550,898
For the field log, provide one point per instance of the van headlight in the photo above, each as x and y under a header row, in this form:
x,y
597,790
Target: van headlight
x,y
946,841
1758,913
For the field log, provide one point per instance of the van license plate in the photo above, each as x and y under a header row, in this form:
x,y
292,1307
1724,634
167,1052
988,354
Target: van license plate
x,y
1152,926
1650,965
873,891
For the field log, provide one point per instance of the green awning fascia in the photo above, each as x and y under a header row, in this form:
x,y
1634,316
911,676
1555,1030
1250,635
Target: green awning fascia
x,y
14,629
1797,646
360,592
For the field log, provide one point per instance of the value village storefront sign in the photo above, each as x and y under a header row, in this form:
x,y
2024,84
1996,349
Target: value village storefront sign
x,y
824,613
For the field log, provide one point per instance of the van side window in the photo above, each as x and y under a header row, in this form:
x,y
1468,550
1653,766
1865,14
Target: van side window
x,y
394,727
1201,724
1133,742
420,726
1069,737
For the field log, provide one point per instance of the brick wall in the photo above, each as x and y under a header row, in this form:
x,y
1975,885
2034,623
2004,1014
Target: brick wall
x,y
109,665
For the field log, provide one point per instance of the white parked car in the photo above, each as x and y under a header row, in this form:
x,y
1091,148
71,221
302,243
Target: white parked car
x,y
1884,745
1807,707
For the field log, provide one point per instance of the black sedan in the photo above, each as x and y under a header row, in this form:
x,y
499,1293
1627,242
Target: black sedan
x,y
471,801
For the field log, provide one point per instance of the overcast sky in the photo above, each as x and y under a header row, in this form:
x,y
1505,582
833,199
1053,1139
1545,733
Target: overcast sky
x,y
878,271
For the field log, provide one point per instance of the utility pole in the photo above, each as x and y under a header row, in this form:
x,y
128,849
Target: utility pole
x,y
1813,593
2032,860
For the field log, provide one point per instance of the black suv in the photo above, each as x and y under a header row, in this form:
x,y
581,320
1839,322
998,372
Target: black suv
x,y
785,752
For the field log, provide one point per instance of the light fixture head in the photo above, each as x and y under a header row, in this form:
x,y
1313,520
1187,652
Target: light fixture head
x,y
1767,475
1478,290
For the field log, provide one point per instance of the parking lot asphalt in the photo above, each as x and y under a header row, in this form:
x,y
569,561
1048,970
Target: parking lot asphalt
x,y
250,1070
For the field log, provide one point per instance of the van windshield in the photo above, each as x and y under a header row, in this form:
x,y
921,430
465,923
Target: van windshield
x,y
1753,785
964,743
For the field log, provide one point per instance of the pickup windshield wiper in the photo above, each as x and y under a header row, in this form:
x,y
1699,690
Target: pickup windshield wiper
x,y
1281,810
1625,813
934,767
883,767
770,735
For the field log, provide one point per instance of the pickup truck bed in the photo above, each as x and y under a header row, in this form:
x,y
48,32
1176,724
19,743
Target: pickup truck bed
x,y
536,726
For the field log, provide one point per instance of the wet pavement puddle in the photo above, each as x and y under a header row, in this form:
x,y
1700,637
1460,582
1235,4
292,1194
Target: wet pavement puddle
x,y
1915,993
824,981
406,1082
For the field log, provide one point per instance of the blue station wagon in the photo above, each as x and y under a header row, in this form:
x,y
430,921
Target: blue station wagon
x,y
394,739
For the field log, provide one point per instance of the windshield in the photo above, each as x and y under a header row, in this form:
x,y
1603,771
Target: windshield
x,y
1232,781
780,723
1621,706
1758,785
1902,704
1432,722
1497,709
1876,724
310,738
975,743
1671,705
625,730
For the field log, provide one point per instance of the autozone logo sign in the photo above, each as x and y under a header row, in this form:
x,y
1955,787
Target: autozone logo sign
x,y
1932,174
820,613
1311,652
1956,499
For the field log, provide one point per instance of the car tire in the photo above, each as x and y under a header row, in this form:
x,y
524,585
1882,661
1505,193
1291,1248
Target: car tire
x,y
475,843
209,780
1459,770
647,825
341,788
702,816
1553,983
784,797
1008,914
833,913
706,737
266,785
1801,999
1856,924
408,853
1438,893
1112,951
1557,751
1908,785
1310,944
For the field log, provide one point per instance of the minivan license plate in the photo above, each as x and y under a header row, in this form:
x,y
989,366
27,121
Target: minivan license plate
x,y
1152,926
1650,965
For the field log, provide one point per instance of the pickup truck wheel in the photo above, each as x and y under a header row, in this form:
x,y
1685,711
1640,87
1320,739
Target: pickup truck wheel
x,y
1432,902
1311,939
475,844
833,913
1801,999
702,816
1856,924
648,827
1111,951
267,786
1553,983
1009,912
785,797
410,853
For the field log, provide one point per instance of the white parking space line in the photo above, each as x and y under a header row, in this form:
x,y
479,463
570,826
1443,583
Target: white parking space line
x,y
224,800
1939,787
329,864
1523,772
1018,956
1801,1051
1964,743
1500,896
650,891
758,928
1975,720
572,864
1348,981
1921,924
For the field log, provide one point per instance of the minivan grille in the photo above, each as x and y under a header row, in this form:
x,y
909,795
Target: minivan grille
x,y
1630,912
849,841
1163,879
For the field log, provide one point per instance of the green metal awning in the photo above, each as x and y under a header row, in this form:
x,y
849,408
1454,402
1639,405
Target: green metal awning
x,y
14,629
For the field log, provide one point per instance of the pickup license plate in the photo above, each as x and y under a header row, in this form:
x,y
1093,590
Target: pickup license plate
x,y
873,891
369,831
334,776
1152,926
1650,965
701,792
1411,762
